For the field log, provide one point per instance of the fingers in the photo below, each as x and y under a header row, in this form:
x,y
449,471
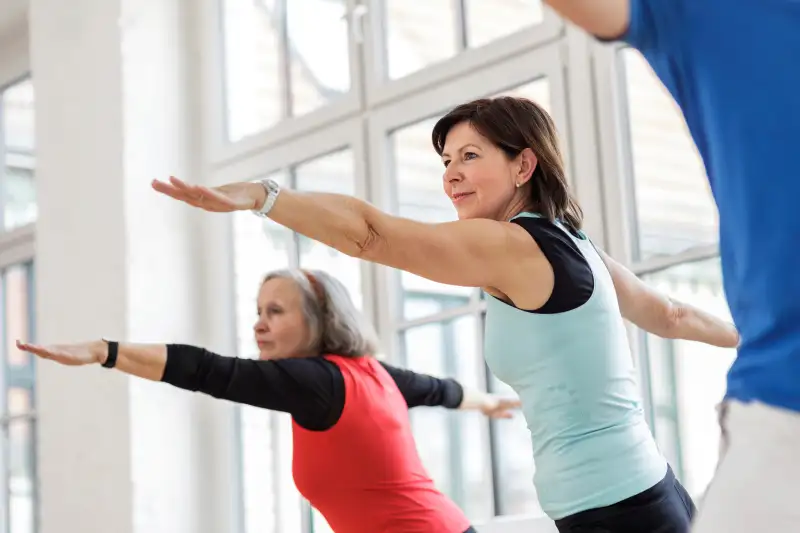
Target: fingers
x,y
35,349
169,190
509,404
195,195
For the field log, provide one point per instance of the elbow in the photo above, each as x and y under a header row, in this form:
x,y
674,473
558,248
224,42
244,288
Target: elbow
x,y
674,318
367,244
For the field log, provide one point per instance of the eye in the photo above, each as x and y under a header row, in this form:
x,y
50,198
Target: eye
x,y
470,155
446,162
274,310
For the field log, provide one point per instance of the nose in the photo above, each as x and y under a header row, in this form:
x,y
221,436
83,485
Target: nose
x,y
452,174
260,326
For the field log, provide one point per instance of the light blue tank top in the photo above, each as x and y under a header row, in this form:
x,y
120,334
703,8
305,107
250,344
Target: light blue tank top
x,y
574,374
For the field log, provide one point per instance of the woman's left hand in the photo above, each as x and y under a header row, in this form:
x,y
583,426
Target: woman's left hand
x,y
83,353
495,406
223,199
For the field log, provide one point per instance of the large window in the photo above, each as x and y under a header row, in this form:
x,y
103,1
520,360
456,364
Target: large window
x,y
341,96
18,488
291,66
673,236
485,466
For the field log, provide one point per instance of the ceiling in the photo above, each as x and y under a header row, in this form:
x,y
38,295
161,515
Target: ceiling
x,y
12,14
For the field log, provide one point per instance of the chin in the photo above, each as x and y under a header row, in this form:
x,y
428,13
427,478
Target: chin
x,y
466,213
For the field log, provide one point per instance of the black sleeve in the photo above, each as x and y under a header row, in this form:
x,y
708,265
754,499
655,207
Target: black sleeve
x,y
422,389
310,389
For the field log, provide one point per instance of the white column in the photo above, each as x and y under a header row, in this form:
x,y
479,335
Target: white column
x,y
114,259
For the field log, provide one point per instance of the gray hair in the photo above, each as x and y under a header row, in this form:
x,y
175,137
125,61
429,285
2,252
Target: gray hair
x,y
335,325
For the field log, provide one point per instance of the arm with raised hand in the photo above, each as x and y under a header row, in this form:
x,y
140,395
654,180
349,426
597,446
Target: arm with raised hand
x,y
660,315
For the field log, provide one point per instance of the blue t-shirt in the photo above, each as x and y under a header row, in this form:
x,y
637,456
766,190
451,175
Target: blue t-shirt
x,y
734,69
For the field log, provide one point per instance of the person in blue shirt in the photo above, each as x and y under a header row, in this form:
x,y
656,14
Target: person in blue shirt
x,y
555,305
733,69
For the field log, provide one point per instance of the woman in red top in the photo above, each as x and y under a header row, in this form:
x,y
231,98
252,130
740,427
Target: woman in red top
x,y
354,454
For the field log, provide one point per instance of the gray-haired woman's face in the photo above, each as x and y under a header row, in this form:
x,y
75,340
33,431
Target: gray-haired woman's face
x,y
281,330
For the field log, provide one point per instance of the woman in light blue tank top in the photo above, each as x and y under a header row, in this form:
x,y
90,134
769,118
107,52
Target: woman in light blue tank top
x,y
554,331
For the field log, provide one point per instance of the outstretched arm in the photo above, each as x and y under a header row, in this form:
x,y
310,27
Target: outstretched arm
x,y
423,389
663,316
607,19
301,387
472,253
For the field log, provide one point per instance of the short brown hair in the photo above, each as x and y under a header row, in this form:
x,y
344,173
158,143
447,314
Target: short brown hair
x,y
513,124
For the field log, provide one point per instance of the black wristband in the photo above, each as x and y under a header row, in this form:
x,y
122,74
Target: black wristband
x,y
111,359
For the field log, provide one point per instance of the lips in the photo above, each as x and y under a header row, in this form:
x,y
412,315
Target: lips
x,y
457,197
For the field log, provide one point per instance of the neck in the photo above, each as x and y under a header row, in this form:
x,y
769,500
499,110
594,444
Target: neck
x,y
518,205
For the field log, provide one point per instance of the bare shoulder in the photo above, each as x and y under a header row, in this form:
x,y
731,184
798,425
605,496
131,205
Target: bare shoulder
x,y
529,275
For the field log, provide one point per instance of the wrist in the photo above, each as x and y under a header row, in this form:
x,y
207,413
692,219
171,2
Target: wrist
x,y
99,351
258,193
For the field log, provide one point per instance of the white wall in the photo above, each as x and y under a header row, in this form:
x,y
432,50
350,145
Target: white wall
x,y
114,259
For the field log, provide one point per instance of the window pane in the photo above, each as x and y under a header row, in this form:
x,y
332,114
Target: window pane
x,y
674,208
418,173
318,51
699,374
16,315
257,470
259,79
290,503
254,98
452,444
487,21
21,488
418,34
19,191
332,173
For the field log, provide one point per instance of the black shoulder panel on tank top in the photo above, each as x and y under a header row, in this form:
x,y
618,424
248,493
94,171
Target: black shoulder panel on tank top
x,y
573,278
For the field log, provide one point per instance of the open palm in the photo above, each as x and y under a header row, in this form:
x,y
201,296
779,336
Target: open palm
x,y
497,407
66,354
223,199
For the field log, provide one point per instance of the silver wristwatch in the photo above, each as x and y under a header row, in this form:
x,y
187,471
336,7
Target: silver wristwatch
x,y
273,189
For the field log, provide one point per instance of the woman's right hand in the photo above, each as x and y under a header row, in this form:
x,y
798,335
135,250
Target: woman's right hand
x,y
76,354
223,199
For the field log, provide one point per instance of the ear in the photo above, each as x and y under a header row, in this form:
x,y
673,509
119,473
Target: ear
x,y
527,164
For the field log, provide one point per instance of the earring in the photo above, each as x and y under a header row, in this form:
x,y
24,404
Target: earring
x,y
519,185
